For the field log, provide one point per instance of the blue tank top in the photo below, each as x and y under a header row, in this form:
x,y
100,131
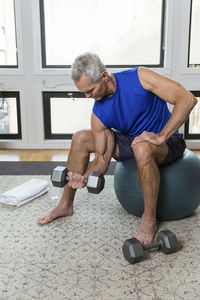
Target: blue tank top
x,y
132,109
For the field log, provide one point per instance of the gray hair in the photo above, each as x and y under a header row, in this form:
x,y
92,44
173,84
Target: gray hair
x,y
88,64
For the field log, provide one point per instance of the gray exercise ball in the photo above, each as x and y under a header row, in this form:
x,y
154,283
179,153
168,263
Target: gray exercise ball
x,y
179,193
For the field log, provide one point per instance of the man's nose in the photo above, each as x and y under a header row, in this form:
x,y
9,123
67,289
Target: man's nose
x,y
87,95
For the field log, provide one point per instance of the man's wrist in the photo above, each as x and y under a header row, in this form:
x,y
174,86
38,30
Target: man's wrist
x,y
97,165
162,137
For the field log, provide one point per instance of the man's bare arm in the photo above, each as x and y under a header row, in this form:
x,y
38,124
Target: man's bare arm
x,y
173,93
104,146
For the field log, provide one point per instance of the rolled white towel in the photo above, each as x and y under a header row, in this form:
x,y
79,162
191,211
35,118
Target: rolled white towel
x,y
25,192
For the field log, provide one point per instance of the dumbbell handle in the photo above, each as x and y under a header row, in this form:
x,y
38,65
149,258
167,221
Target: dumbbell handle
x,y
152,245
94,182
67,179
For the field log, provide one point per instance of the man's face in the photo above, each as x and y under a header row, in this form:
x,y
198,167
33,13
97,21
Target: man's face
x,y
96,90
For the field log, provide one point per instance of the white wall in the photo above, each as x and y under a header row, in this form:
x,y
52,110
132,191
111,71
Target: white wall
x,y
31,80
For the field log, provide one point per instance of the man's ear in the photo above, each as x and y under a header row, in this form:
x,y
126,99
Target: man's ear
x,y
105,76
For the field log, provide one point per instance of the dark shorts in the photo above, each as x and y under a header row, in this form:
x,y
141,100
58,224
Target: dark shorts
x,y
176,147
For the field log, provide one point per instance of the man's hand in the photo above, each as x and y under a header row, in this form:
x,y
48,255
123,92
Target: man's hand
x,y
76,181
151,137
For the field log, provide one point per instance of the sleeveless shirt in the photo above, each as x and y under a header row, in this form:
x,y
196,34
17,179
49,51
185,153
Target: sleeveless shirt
x,y
132,109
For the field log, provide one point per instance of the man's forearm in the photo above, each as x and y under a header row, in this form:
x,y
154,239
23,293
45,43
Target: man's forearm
x,y
98,165
104,147
179,115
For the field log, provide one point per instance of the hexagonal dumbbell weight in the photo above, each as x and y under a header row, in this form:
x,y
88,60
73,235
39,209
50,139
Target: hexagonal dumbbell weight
x,y
94,183
133,250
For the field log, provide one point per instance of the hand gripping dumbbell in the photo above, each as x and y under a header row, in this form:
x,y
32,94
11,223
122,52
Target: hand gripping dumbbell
x,y
133,250
94,183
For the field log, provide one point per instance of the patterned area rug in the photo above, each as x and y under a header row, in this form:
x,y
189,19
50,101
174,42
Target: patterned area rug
x,y
80,257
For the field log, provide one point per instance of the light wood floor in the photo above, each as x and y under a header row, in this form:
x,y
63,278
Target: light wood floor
x,y
40,155
33,155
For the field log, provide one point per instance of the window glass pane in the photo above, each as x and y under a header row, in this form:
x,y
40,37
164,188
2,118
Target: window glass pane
x,y
194,57
8,116
194,121
68,116
120,32
8,55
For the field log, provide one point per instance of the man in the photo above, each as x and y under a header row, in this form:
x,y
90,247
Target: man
x,y
134,104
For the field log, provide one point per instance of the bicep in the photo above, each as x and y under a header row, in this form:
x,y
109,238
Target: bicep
x,y
103,138
99,133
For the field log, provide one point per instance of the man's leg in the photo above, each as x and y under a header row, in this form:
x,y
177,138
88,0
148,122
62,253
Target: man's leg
x,y
147,157
82,146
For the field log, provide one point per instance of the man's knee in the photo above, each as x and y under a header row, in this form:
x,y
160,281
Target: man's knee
x,y
82,135
143,152
83,138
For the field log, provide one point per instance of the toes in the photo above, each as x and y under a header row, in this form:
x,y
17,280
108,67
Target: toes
x,y
43,220
140,238
144,238
39,220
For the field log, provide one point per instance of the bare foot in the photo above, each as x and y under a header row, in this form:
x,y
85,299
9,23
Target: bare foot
x,y
62,210
146,232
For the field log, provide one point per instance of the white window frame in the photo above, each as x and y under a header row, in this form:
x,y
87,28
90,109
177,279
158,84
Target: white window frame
x,y
18,24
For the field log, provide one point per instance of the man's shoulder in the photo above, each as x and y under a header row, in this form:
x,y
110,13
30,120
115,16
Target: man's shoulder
x,y
127,72
127,78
